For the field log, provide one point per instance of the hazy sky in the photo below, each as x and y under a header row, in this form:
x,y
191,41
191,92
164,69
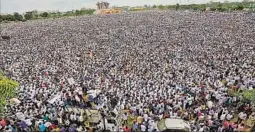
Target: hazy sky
x,y
21,6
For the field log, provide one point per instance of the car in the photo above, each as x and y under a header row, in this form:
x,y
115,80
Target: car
x,y
173,125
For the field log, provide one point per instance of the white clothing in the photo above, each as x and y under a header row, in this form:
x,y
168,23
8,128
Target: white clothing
x,y
143,128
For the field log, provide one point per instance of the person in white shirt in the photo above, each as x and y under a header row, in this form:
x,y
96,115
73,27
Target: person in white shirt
x,y
73,117
143,128
241,117
201,129
216,115
229,116
152,126
125,118
223,116
121,130
145,117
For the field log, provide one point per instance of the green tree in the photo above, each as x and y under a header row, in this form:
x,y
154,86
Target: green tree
x,y
90,11
240,7
221,8
77,12
7,90
154,6
4,18
35,14
44,15
17,16
53,14
58,13
220,5
10,17
169,7
249,95
177,6
202,7
1,18
28,15
213,9
161,7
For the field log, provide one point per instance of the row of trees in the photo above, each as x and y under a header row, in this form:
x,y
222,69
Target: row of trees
x,y
232,6
35,15
213,6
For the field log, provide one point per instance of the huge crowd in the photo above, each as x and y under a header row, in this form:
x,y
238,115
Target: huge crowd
x,y
153,65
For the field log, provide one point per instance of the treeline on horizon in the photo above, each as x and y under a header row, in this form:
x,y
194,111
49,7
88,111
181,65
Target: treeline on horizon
x,y
33,15
214,6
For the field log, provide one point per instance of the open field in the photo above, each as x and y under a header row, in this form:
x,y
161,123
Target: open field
x,y
152,59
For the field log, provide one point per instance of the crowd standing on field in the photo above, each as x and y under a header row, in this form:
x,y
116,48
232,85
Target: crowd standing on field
x,y
153,65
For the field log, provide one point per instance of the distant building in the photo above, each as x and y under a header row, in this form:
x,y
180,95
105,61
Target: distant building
x,y
103,8
102,5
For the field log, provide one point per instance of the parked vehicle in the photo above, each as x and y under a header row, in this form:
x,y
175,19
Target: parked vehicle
x,y
173,125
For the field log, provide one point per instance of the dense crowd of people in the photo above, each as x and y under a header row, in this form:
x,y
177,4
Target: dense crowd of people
x,y
153,65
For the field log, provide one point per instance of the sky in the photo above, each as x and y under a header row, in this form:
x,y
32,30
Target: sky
x,y
21,6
